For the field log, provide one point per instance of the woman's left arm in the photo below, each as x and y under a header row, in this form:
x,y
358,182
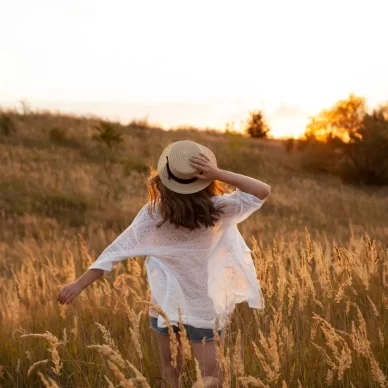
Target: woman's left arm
x,y
70,291
124,246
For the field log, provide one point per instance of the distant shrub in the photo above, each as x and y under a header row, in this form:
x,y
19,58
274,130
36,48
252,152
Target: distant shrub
x,y
58,135
367,154
289,144
6,124
348,140
362,159
108,134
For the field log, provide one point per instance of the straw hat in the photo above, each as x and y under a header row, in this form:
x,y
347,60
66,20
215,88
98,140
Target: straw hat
x,y
175,171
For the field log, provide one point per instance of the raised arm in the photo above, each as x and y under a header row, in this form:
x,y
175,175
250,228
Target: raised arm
x,y
207,170
245,183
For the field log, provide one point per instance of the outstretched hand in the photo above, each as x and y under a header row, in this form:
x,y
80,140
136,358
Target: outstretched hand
x,y
69,292
205,167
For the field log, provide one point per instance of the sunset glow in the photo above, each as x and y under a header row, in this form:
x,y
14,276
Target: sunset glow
x,y
202,63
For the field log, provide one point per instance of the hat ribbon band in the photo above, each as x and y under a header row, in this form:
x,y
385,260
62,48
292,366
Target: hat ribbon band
x,y
179,180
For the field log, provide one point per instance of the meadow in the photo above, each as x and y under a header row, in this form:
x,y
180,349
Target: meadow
x,y
320,248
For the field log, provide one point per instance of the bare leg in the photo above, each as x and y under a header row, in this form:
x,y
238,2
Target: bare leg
x,y
169,374
206,356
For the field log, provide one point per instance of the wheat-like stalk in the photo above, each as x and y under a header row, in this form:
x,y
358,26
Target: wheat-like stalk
x,y
109,383
248,381
35,365
107,336
238,364
174,345
199,382
114,355
184,341
54,343
120,375
138,376
135,331
49,382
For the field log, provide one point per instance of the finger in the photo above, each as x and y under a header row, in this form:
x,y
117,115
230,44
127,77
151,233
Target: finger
x,y
60,296
65,297
200,176
200,158
199,162
197,167
71,297
205,156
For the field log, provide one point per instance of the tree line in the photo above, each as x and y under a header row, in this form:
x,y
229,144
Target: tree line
x,y
346,139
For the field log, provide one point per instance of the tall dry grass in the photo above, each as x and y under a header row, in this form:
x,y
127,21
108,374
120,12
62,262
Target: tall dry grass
x,y
326,287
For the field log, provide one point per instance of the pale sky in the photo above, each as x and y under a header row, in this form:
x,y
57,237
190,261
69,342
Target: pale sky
x,y
200,63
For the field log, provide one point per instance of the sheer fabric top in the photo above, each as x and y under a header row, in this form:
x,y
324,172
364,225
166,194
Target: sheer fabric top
x,y
205,272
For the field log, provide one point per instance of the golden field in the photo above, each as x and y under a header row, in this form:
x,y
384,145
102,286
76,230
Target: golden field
x,y
320,249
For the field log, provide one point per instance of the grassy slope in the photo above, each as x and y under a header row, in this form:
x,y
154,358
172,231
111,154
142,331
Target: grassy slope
x,y
59,197
80,183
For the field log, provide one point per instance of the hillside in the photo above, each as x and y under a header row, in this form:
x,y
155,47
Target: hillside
x,y
63,198
69,183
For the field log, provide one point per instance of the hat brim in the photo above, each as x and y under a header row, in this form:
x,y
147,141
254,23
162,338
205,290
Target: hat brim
x,y
181,188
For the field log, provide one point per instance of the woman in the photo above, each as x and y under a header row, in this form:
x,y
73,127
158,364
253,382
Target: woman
x,y
197,261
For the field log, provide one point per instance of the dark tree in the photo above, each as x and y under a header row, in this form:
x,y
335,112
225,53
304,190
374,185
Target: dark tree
x,y
108,133
257,127
368,152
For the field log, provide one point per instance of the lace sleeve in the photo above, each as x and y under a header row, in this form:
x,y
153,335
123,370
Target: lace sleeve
x,y
238,205
123,247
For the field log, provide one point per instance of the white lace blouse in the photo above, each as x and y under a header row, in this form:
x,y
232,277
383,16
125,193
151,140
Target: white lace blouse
x,y
204,272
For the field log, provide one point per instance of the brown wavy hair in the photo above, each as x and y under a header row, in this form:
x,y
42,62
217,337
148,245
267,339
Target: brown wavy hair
x,y
188,210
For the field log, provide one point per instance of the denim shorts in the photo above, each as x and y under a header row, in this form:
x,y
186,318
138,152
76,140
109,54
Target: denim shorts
x,y
194,334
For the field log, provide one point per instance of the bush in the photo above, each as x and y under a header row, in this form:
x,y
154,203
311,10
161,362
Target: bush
x,y
367,155
363,159
6,125
108,133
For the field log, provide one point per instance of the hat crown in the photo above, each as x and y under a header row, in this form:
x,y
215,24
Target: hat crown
x,y
179,158
174,168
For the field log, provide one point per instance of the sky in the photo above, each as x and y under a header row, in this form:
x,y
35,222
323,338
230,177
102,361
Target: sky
x,y
201,63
